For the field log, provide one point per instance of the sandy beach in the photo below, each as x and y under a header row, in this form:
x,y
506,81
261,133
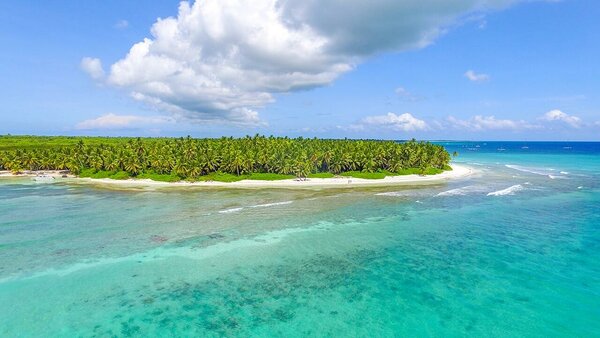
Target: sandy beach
x,y
458,171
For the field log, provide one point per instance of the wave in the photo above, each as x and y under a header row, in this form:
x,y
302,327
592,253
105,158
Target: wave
x,y
227,211
549,172
394,194
462,191
532,170
508,191
266,205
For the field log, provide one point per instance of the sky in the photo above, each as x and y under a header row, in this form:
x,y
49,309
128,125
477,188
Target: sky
x,y
428,69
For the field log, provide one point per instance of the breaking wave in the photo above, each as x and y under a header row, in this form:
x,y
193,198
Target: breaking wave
x,y
531,170
227,211
270,204
266,205
470,189
508,191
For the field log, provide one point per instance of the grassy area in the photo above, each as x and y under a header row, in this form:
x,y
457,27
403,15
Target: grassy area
x,y
217,176
226,177
269,177
382,174
365,175
321,175
115,175
418,171
159,177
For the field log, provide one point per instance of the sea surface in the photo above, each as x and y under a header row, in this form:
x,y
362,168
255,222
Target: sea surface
x,y
511,251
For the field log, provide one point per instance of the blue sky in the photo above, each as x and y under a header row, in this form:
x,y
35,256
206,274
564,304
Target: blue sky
x,y
480,70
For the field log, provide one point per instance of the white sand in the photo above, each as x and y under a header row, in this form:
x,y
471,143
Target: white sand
x,y
31,173
339,182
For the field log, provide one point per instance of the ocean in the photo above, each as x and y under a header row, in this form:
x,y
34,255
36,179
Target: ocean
x,y
511,251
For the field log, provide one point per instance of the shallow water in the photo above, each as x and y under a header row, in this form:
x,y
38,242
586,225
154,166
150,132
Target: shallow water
x,y
510,251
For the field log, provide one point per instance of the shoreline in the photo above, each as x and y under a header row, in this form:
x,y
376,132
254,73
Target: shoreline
x,y
458,171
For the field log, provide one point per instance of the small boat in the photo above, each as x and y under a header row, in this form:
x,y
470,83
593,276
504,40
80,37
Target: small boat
x,y
43,178
525,147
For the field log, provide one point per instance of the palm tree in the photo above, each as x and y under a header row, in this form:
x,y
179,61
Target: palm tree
x,y
193,157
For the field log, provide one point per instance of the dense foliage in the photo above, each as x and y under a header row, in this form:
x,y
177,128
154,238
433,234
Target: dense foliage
x,y
194,158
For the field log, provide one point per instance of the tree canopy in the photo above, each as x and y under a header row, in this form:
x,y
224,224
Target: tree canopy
x,y
189,158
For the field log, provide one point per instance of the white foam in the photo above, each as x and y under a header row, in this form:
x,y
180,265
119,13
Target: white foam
x,y
532,170
564,172
508,191
227,211
579,187
462,191
394,194
266,205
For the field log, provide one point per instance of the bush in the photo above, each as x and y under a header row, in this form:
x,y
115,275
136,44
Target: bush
x,y
120,175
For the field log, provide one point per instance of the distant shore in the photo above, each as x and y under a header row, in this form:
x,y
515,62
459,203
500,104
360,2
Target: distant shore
x,y
457,171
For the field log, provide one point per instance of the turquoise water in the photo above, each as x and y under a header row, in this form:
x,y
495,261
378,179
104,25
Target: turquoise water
x,y
513,250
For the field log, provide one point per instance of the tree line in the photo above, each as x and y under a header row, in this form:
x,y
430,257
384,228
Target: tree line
x,y
189,157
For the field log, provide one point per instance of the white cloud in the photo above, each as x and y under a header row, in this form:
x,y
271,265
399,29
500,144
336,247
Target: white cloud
x,y
557,115
475,77
403,122
93,67
480,123
222,60
404,94
113,121
122,24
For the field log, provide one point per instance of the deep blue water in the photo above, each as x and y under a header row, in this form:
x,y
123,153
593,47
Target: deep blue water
x,y
511,251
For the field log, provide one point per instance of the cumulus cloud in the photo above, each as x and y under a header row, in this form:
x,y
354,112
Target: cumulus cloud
x,y
223,60
93,67
403,122
475,77
480,123
557,115
113,121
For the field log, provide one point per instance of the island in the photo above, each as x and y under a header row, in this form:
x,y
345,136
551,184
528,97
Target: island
x,y
243,162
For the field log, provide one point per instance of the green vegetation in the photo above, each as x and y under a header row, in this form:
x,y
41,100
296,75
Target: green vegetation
x,y
115,175
159,177
227,177
224,159
372,176
321,175
269,176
